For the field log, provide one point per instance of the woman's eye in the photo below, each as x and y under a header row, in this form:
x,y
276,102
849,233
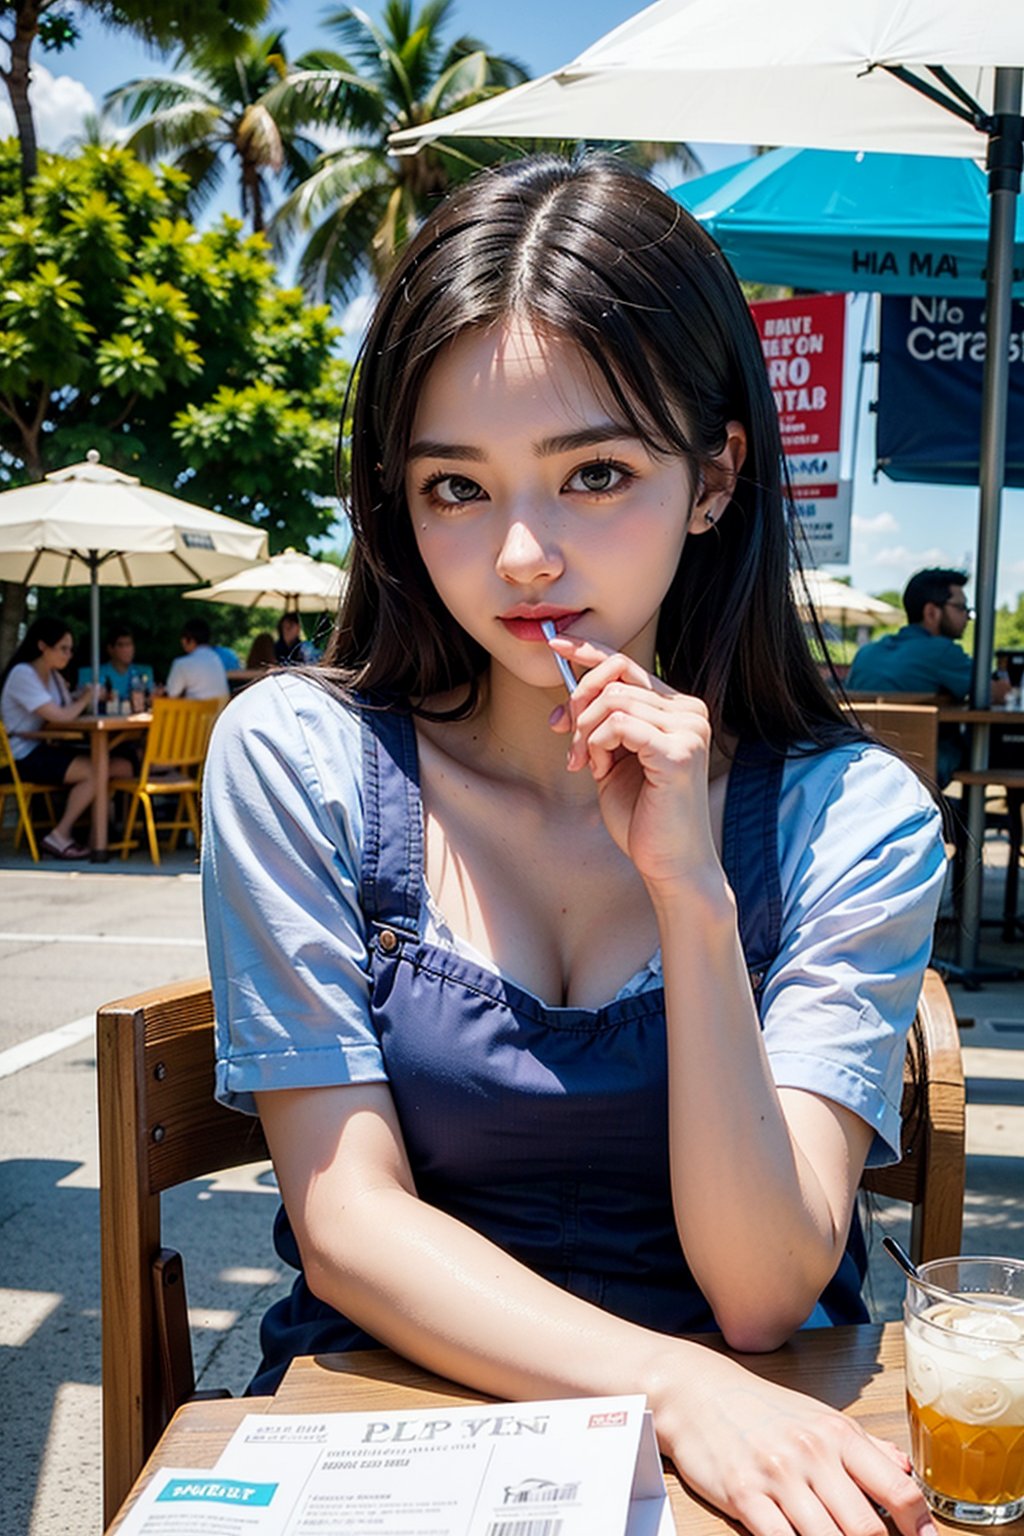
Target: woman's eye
x,y
452,490
600,478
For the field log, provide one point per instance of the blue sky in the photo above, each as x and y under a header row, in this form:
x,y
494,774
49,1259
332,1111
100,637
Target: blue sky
x,y
896,529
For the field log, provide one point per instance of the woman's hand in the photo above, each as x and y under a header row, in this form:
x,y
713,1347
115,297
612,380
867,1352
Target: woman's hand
x,y
780,1462
647,748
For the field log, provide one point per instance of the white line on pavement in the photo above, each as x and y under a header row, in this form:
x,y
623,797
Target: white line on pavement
x,y
41,1046
99,938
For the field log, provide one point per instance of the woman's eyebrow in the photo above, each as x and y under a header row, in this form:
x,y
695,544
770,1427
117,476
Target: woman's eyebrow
x,y
586,437
430,448
563,442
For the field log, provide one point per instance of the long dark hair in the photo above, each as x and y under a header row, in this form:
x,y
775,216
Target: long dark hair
x,y
593,252
49,629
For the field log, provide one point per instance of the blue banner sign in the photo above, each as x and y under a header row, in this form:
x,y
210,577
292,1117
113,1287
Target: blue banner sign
x,y
929,390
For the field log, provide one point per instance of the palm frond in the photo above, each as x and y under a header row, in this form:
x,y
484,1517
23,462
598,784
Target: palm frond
x,y
177,128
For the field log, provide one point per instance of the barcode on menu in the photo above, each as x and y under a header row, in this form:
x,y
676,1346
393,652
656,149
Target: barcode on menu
x,y
525,1528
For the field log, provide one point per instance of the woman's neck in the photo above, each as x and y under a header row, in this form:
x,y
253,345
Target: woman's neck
x,y
509,737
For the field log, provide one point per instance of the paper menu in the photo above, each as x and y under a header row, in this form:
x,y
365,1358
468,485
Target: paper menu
x,y
573,1467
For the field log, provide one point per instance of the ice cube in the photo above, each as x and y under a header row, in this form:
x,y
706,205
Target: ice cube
x,y
994,1327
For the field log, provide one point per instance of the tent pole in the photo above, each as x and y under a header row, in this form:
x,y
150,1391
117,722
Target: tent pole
x,y
94,615
1004,169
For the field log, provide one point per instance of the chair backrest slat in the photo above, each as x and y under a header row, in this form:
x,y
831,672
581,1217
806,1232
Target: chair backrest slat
x,y
179,735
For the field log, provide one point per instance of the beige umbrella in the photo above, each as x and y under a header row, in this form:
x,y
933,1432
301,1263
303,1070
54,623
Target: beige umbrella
x,y
289,581
91,524
837,603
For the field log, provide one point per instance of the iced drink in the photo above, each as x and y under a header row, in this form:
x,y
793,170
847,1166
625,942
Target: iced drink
x,y
965,1395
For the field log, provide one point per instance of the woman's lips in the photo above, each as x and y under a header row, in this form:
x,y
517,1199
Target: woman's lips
x,y
529,628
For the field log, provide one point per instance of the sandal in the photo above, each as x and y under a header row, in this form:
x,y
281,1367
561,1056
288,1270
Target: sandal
x,y
72,850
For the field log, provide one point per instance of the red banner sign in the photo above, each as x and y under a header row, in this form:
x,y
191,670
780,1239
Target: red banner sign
x,y
802,341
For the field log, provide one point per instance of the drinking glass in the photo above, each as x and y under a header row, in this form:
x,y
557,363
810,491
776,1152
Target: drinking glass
x,y
964,1341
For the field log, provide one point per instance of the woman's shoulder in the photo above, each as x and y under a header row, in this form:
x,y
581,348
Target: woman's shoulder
x,y
858,790
290,723
855,766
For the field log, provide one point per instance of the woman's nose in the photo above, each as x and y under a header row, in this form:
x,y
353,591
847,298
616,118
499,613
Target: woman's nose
x,y
525,556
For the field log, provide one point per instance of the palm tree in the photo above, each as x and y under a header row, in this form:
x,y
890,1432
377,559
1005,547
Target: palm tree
x,y
217,116
360,203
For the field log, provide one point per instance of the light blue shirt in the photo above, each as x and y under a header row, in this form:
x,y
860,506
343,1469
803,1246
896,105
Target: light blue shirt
x,y
120,682
861,864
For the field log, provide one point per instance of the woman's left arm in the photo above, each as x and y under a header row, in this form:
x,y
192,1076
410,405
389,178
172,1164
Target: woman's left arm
x,y
763,1177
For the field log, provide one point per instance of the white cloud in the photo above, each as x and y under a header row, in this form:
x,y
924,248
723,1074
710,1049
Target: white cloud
x,y
899,557
60,105
882,522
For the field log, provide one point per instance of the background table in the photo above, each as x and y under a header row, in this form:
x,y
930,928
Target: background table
x,y
859,1369
103,732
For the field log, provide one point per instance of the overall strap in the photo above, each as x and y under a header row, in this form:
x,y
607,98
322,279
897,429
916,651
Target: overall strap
x,y
750,852
392,873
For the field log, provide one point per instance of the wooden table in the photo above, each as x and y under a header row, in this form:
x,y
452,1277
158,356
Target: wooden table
x,y
974,781
857,1369
104,732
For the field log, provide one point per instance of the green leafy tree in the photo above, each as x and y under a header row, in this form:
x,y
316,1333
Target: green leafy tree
x,y
211,119
175,354
359,204
54,24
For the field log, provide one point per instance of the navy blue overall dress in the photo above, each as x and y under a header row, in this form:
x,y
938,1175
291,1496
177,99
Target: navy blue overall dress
x,y
545,1129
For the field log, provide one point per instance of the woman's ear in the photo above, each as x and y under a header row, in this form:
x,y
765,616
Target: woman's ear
x,y
716,480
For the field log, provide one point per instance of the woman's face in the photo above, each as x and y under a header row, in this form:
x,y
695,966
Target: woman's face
x,y
54,657
530,498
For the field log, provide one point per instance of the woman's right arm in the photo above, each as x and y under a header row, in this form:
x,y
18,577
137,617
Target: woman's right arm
x,y
439,1293
64,714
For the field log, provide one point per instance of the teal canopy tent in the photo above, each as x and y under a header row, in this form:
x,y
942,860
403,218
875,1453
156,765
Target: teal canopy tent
x,y
853,221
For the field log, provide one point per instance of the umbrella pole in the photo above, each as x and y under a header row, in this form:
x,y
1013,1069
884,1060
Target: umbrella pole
x,y
1004,170
94,617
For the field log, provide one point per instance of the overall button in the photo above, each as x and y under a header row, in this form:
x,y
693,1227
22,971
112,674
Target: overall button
x,y
388,940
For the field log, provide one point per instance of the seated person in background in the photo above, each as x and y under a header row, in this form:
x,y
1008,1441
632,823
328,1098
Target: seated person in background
x,y
120,668
199,674
925,655
230,660
34,695
262,652
291,649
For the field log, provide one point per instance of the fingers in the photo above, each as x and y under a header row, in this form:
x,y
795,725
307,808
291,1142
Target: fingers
x,y
618,706
885,1481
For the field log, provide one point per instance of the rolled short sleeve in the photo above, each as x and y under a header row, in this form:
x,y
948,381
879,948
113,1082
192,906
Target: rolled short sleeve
x,y
862,864
282,850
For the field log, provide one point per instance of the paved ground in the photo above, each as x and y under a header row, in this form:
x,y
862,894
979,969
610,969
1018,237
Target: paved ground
x,y
71,939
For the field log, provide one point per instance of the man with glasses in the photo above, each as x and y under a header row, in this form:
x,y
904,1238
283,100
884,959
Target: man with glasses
x,y
925,655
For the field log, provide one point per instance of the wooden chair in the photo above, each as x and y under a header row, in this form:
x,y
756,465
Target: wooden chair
x,y
930,1176
910,729
24,791
159,1126
172,765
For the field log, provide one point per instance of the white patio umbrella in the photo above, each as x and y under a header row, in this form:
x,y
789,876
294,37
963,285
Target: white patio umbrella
x,y
838,603
289,581
922,77
90,524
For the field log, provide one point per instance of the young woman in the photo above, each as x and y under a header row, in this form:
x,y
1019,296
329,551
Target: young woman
x,y
572,1020
34,695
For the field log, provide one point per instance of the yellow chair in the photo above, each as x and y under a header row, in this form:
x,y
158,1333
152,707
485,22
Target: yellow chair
x,y
11,783
172,764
